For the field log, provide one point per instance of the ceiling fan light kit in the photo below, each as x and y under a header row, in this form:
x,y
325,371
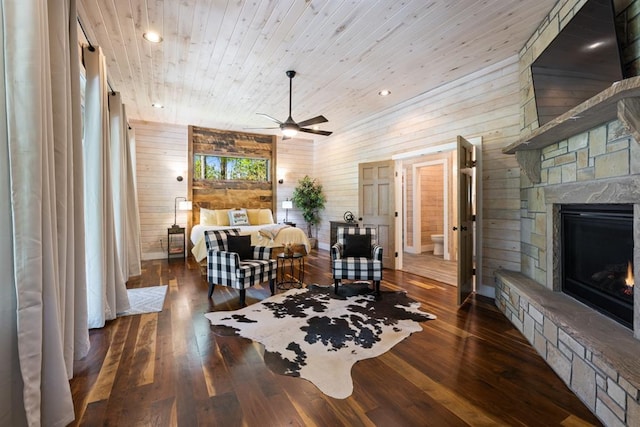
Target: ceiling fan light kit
x,y
289,127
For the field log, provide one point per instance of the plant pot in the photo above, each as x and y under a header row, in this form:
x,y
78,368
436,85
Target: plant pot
x,y
314,242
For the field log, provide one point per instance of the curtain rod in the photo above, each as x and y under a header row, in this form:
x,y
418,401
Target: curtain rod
x,y
92,48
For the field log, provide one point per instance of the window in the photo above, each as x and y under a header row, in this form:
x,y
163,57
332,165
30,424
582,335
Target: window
x,y
216,168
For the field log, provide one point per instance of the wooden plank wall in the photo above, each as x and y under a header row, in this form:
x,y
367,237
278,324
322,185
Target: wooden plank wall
x,y
432,203
160,158
484,104
230,194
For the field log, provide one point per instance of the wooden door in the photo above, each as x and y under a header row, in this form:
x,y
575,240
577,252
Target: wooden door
x,y
376,205
465,218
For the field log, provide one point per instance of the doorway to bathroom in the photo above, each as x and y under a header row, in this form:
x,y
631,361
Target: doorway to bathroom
x,y
429,197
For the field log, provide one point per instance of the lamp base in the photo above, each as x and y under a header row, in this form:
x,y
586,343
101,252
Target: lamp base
x,y
175,226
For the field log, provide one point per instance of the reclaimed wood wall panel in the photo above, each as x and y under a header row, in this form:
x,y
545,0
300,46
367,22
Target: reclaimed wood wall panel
x,y
160,158
230,194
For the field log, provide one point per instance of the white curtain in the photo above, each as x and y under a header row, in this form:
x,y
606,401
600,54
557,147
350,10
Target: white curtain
x,y
43,299
106,282
125,200
134,252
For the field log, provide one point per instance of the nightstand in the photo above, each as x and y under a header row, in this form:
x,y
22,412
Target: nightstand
x,y
176,247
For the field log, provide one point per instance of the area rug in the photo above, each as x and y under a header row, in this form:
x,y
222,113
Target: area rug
x,y
145,300
313,334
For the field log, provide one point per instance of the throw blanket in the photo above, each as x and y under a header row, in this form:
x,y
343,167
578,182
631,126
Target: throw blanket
x,y
271,231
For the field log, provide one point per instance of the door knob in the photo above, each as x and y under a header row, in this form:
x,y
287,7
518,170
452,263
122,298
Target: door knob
x,y
454,228
463,228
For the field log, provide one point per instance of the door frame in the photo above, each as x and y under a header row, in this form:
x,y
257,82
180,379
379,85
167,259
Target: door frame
x,y
417,188
398,158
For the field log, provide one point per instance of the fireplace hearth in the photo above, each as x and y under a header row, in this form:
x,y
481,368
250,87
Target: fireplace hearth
x,y
597,257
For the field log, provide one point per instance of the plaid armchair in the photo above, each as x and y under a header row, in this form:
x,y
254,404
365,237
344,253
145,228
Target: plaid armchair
x,y
227,269
356,256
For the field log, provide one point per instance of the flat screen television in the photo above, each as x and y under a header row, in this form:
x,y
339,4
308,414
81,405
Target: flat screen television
x,y
582,61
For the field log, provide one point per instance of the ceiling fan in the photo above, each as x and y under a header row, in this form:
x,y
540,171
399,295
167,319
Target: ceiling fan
x,y
289,127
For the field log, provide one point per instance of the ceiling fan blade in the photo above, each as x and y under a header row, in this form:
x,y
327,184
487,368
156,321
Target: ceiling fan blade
x,y
276,127
270,118
313,121
317,132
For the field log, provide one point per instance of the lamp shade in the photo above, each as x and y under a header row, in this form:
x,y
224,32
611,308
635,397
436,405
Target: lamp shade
x,y
185,205
287,204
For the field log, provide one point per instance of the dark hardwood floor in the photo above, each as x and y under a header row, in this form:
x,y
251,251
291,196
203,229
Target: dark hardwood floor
x,y
470,367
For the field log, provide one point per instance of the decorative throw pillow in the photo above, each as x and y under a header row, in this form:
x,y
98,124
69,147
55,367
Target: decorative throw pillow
x,y
208,217
238,217
223,216
253,215
357,245
265,216
241,245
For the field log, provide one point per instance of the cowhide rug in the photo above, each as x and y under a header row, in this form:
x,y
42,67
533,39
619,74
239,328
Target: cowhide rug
x,y
314,334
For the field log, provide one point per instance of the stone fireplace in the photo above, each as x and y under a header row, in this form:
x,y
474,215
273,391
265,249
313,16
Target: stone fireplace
x,y
596,252
596,356
586,158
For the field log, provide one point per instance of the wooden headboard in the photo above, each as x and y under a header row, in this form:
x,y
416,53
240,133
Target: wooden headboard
x,y
230,194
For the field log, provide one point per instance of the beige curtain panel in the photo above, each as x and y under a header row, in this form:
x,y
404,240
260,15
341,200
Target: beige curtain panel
x,y
43,301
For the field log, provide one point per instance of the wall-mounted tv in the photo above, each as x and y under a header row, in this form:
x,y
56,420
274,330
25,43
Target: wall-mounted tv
x,y
583,60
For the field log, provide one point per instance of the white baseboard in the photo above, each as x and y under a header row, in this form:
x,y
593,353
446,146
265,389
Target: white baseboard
x,y
153,255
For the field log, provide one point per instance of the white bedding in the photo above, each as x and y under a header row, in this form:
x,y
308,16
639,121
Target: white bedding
x,y
285,235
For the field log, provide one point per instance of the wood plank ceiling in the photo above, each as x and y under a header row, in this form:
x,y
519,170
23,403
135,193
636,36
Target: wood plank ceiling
x,y
222,61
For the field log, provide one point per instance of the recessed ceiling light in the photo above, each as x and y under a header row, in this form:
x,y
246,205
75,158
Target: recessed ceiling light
x,y
384,92
157,105
152,36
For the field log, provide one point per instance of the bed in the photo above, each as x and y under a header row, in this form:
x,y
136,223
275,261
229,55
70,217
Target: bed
x,y
259,225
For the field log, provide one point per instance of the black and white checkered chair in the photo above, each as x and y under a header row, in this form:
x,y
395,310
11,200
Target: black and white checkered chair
x,y
227,269
356,256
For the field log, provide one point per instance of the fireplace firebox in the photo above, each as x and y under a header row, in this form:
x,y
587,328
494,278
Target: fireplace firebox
x,y
597,258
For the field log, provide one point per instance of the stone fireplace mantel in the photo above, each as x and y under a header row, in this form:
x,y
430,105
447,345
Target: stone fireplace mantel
x,y
620,101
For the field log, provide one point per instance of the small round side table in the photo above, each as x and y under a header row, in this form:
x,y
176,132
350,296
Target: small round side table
x,y
286,264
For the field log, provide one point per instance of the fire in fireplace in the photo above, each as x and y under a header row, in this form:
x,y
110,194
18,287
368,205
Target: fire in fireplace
x,y
597,257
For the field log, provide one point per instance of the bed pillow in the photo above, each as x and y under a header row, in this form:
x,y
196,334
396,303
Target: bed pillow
x,y
357,245
223,216
254,217
265,217
238,217
241,245
208,217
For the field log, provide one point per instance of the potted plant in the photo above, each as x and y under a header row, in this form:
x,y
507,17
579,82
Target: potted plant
x,y
309,198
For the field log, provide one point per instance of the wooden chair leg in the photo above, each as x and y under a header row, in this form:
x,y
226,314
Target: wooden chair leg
x,y
272,286
211,286
243,293
377,292
337,282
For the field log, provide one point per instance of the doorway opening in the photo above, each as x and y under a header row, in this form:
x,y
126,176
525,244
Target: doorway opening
x,y
429,207
461,216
